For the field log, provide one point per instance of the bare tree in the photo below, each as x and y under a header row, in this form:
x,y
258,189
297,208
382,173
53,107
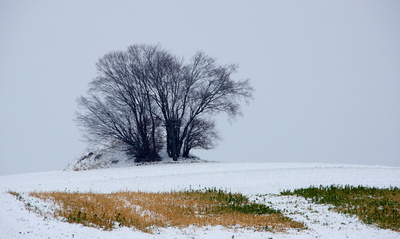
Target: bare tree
x,y
119,108
191,91
145,88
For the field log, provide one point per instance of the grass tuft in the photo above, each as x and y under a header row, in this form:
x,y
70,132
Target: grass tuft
x,y
147,211
15,194
372,205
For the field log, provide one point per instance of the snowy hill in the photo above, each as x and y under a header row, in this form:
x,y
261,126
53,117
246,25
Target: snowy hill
x,y
101,158
251,179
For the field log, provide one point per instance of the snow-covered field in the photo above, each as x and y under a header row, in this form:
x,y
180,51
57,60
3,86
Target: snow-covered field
x,y
252,179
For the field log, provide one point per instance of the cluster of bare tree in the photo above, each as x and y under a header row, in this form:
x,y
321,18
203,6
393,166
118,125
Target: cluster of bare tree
x,y
146,98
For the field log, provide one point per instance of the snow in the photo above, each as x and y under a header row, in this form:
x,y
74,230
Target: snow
x,y
101,157
260,181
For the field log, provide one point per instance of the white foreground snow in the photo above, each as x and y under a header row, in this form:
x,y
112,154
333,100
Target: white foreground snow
x,y
252,179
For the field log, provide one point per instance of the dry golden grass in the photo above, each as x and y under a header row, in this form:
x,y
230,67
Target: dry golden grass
x,y
146,211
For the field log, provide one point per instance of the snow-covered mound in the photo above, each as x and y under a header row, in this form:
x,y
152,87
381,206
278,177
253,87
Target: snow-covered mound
x,y
109,157
99,158
260,181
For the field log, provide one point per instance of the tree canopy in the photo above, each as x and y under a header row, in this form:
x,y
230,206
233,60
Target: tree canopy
x,y
146,98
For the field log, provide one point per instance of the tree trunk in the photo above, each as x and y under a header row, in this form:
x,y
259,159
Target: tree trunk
x,y
186,151
173,148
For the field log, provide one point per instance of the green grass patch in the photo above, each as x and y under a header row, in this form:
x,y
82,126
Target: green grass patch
x,y
230,202
380,207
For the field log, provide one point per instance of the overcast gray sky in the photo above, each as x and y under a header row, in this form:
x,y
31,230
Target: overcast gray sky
x,y
326,74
